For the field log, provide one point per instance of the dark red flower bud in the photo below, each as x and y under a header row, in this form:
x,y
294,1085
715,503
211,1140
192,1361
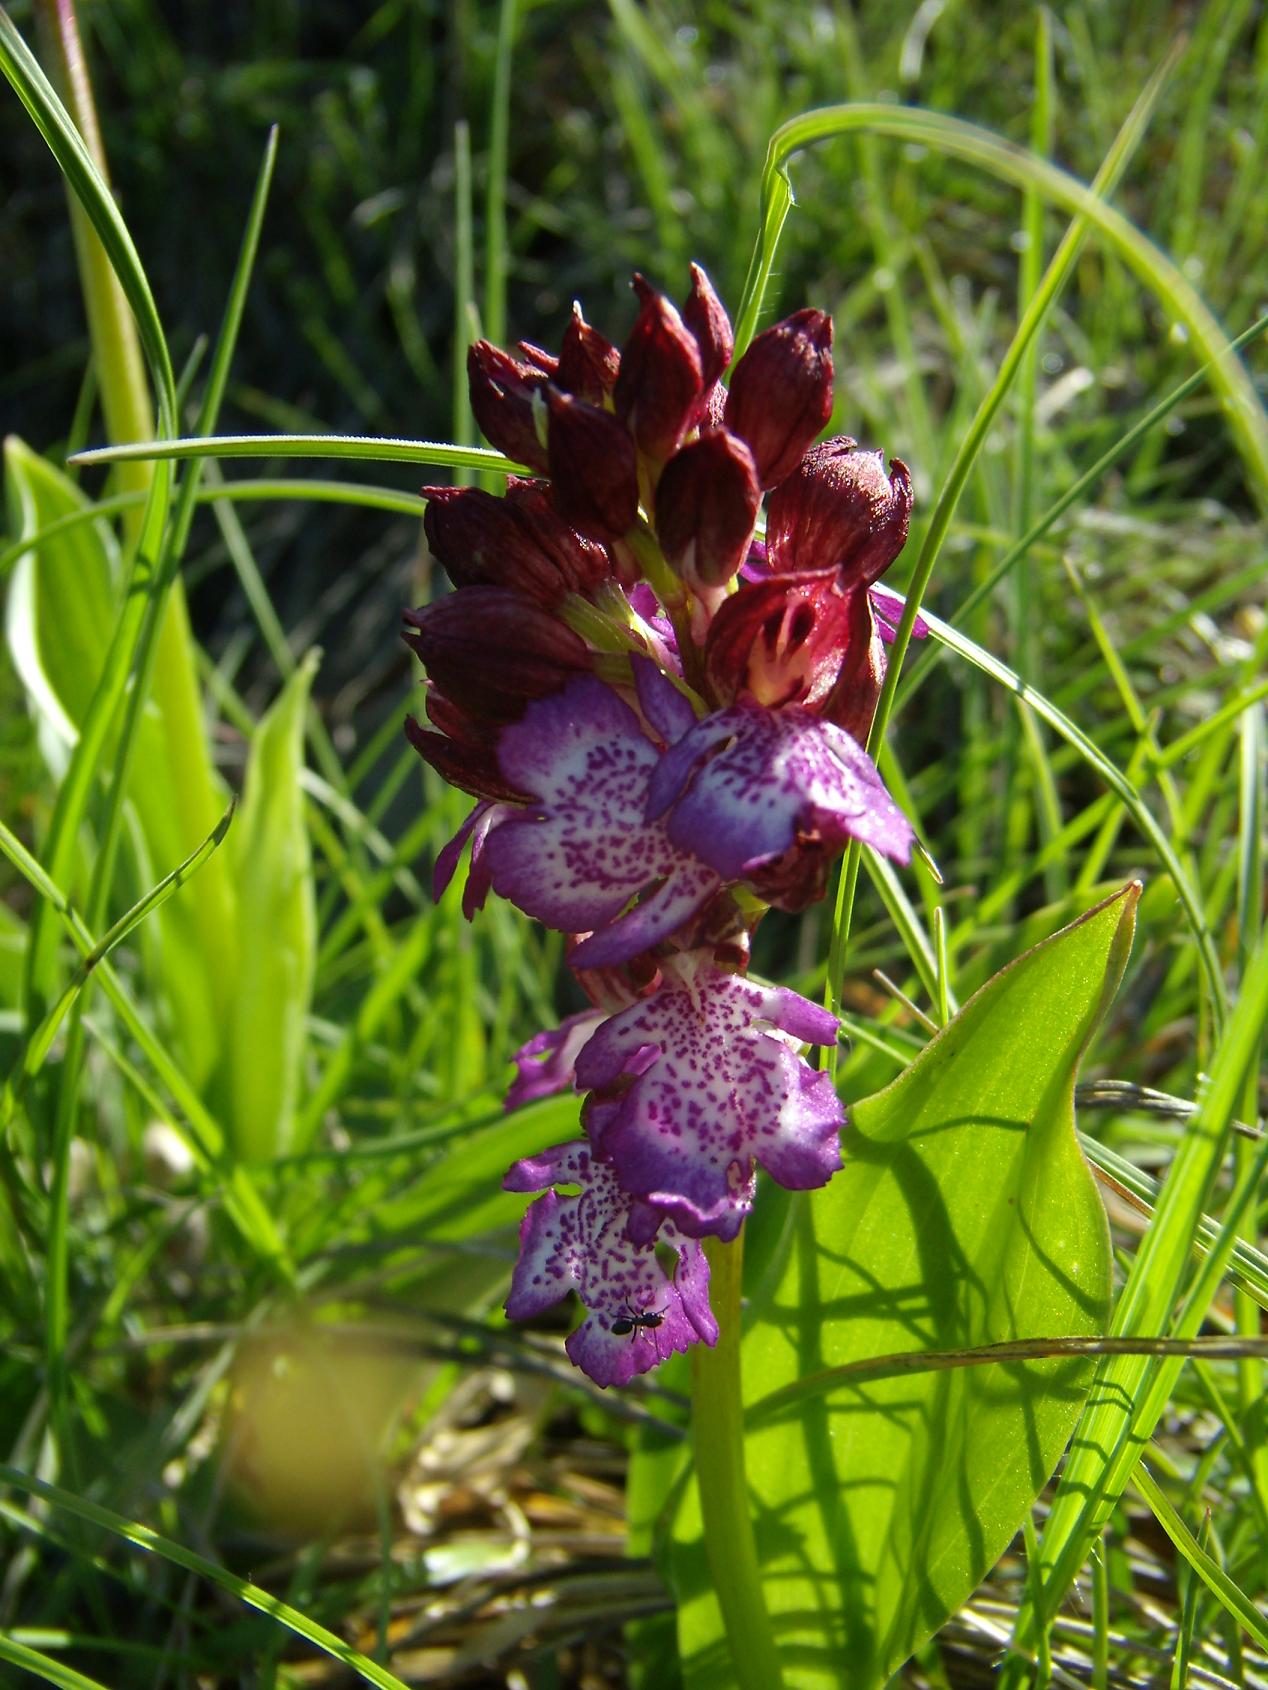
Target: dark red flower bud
x,y
506,398
707,501
588,362
518,541
781,392
838,509
661,383
581,564
490,650
787,639
593,467
705,315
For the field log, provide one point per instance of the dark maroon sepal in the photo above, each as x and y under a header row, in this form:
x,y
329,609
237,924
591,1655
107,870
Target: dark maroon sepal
x,y
516,541
491,649
539,358
593,467
472,769
661,384
707,501
705,315
857,690
785,639
838,509
589,364
798,878
781,392
506,399
580,563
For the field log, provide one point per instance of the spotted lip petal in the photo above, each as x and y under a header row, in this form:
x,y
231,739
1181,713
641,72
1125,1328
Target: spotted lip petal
x,y
583,850
698,1079
581,1242
746,784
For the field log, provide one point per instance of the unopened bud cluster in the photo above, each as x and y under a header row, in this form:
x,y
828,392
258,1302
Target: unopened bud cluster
x,y
662,718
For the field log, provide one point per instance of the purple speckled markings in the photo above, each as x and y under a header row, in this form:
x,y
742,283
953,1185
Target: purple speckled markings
x,y
577,857
697,1080
746,784
580,1241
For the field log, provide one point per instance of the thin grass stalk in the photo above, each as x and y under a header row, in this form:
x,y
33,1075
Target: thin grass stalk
x,y
918,672
242,1590
466,324
495,244
1042,300
1128,1397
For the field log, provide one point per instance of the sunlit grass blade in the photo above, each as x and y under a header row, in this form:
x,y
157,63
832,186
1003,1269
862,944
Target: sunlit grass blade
x,y
270,489
349,447
276,939
1070,498
995,1355
947,135
1248,1267
1129,1395
1114,778
242,1590
1229,1594
38,1045
44,1666
73,159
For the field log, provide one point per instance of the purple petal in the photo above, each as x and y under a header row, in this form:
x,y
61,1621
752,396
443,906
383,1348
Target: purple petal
x,y
447,860
578,856
545,1064
747,784
695,1081
476,828
582,1242
666,709
656,916
889,613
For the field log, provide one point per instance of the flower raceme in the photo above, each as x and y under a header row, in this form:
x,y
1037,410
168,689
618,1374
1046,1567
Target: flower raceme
x,y
662,718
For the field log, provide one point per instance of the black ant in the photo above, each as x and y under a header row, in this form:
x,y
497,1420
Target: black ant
x,y
631,1322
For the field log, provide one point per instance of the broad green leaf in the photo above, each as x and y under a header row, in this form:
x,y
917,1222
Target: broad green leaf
x,y
965,1215
276,934
62,604
61,600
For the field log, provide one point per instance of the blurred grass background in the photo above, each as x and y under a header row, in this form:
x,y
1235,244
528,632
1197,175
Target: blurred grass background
x,y
634,135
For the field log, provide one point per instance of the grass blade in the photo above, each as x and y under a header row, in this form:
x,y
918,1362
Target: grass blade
x,y
40,1041
154,1543
1230,1595
348,447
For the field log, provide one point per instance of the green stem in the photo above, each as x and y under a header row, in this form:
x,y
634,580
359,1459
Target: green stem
x,y
718,1434
122,384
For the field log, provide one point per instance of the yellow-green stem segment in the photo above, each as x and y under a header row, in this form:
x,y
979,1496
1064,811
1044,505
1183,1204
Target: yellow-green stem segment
x,y
718,1436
